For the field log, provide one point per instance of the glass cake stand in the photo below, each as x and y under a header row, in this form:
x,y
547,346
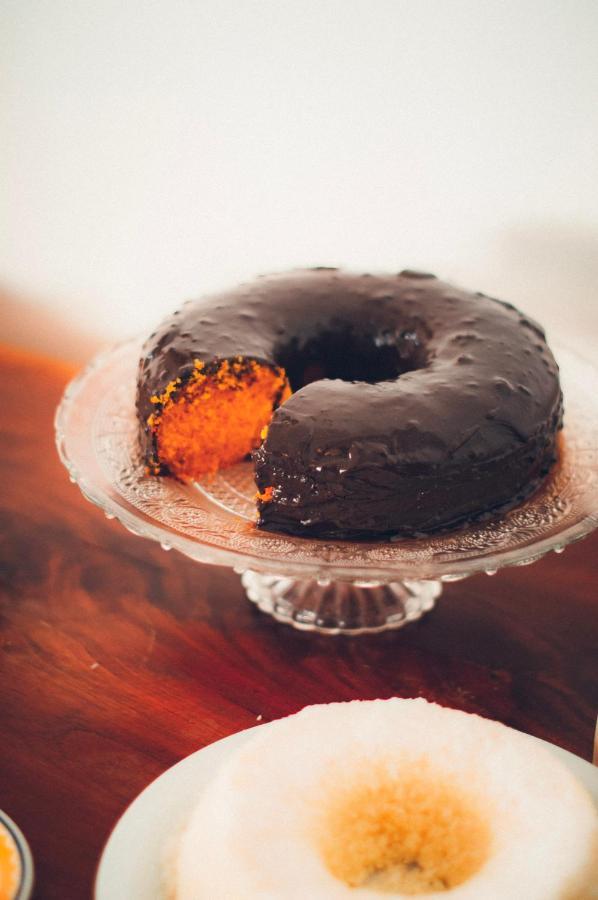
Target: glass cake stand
x,y
331,587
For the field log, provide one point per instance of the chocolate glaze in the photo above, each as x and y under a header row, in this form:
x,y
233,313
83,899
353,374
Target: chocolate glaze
x,y
416,405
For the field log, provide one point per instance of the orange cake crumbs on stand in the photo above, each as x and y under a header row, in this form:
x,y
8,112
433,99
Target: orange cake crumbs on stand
x,y
217,417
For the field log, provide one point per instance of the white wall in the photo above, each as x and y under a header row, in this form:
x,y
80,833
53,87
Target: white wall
x,y
152,150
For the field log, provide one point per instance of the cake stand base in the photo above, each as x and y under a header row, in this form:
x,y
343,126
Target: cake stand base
x,y
339,607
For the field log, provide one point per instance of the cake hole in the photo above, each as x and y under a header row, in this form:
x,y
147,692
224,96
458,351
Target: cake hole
x,y
412,832
344,354
217,418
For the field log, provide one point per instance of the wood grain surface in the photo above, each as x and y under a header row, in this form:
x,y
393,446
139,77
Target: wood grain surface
x,y
118,659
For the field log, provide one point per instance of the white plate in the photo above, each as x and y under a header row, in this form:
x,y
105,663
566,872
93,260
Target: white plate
x,y
132,861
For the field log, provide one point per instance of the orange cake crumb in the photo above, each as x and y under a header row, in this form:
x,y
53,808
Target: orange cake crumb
x,y
266,495
217,418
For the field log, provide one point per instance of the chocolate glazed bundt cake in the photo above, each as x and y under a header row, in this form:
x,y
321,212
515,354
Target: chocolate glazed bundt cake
x,y
374,405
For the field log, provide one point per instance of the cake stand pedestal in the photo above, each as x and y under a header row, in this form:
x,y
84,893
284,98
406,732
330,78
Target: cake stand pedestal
x,y
335,607
330,587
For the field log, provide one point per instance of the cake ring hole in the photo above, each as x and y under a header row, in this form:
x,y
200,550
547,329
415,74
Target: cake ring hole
x,y
407,831
351,355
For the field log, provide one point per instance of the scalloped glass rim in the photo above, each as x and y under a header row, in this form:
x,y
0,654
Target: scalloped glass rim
x,y
96,433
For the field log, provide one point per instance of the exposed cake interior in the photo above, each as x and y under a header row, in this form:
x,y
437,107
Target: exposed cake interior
x,y
216,417
403,832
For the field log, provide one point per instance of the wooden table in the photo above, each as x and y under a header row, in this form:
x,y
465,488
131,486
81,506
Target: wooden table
x,y
119,659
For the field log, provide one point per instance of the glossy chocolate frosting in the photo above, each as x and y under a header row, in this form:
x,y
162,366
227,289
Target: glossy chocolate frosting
x,y
416,405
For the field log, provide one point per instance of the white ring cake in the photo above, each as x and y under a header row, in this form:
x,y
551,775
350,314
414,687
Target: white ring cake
x,y
390,797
